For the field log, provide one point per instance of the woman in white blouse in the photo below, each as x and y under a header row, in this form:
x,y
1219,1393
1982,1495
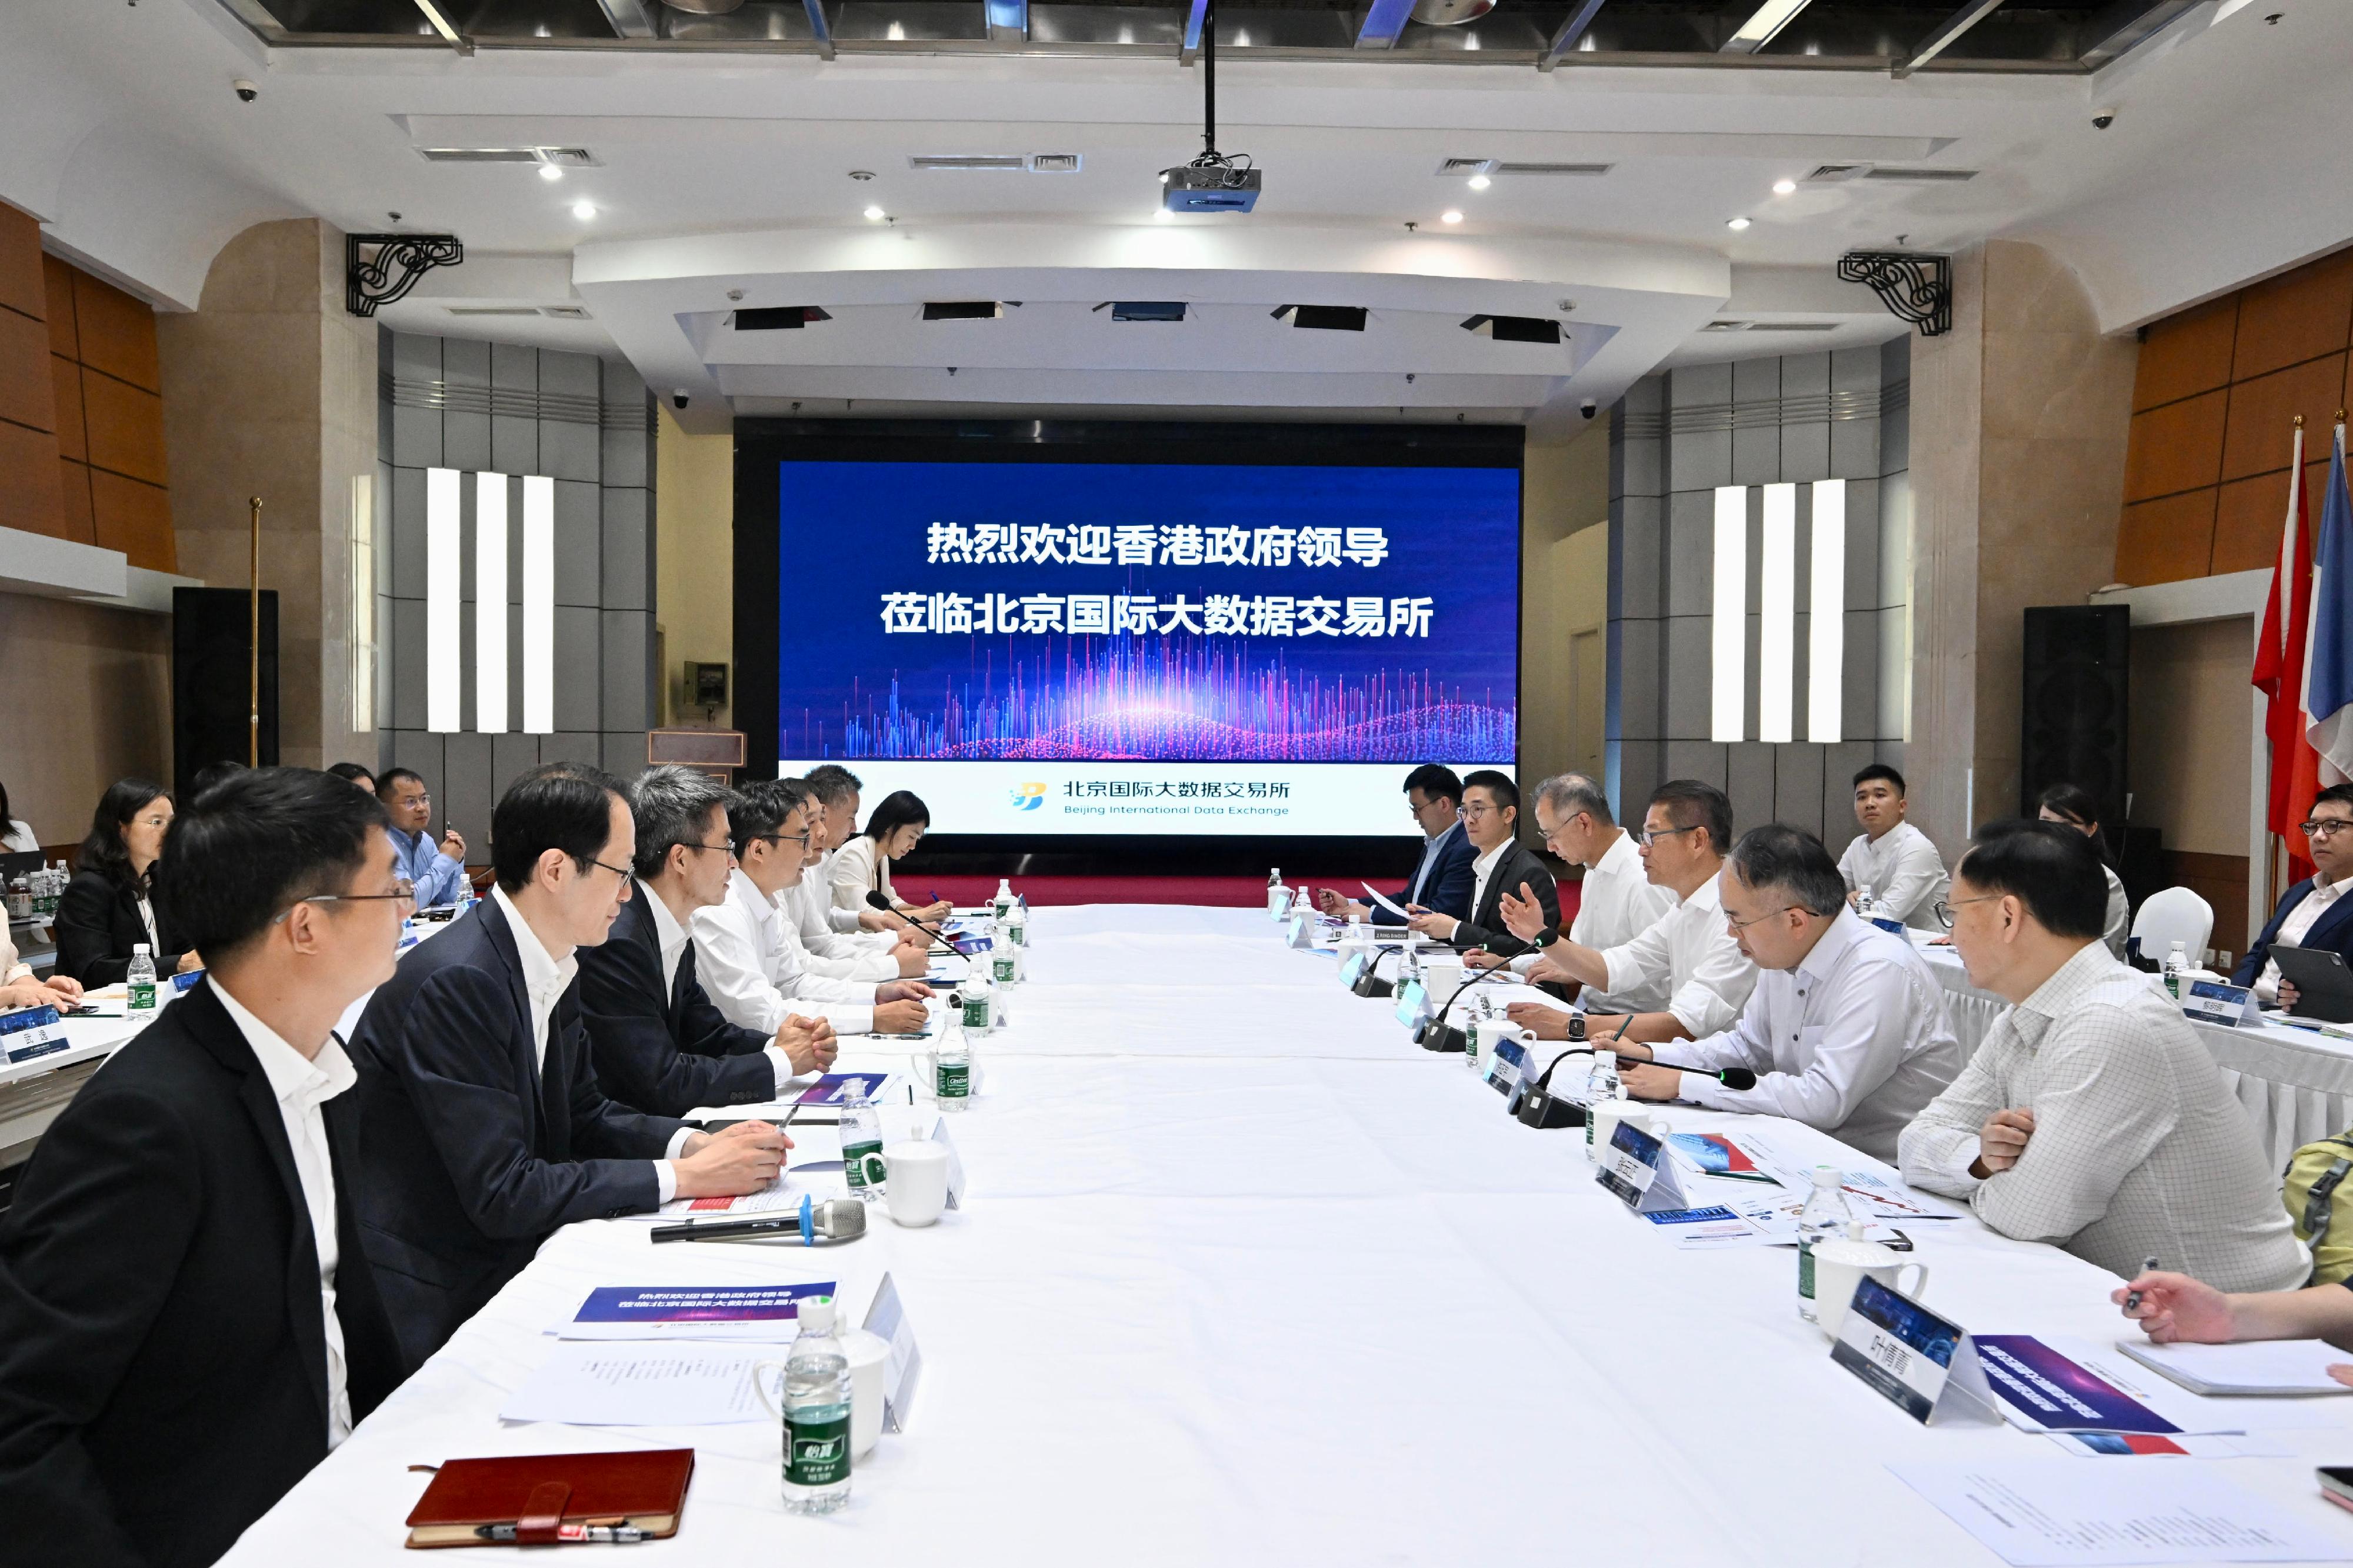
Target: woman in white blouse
x,y
17,836
863,866
2073,804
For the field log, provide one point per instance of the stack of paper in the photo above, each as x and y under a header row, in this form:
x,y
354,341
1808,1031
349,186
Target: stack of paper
x,y
2259,1367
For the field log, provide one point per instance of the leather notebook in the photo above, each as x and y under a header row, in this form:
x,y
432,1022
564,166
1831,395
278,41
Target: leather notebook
x,y
540,1493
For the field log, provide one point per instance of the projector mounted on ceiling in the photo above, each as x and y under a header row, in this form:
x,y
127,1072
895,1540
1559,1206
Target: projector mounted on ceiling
x,y
1213,181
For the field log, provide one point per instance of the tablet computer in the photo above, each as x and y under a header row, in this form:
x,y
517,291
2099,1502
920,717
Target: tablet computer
x,y
2324,985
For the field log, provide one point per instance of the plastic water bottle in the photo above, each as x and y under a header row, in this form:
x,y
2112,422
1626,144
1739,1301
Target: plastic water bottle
x,y
1017,924
141,980
1004,964
1278,897
817,1413
1004,901
2177,958
1825,1217
861,1147
952,1066
972,998
1601,1083
59,879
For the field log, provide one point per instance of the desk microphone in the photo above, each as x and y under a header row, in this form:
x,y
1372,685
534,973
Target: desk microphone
x,y
1438,1034
876,899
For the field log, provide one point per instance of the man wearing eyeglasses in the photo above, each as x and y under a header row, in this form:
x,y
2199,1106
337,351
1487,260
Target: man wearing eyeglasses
x,y
485,1126
749,944
1441,881
1846,1030
2313,913
658,1042
439,870
188,1322
1491,817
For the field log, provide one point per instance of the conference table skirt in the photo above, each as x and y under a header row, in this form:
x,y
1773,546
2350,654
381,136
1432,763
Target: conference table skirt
x,y
1244,1275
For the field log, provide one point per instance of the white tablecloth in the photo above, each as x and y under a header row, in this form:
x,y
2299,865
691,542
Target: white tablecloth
x,y
1247,1278
2296,1084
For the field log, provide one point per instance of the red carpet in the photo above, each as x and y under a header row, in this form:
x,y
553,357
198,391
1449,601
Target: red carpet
x,y
1229,893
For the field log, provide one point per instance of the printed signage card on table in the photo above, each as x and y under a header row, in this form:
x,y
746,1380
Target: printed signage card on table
x,y
1924,1364
887,1319
1635,1168
692,1311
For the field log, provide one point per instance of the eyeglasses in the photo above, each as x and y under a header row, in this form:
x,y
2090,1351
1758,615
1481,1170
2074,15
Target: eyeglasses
x,y
1768,914
404,891
1474,813
2324,827
780,838
1650,836
413,800
721,849
1944,908
620,871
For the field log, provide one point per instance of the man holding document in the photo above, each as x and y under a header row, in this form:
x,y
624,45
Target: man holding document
x,y
1441,882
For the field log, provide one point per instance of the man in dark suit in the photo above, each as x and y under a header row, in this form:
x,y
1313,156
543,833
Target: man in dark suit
x,y
2315,913
484,1128
187,1320
1442,877
1491,817
656,1041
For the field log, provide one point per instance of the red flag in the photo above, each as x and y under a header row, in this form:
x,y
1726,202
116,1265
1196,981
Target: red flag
x,y
2279,676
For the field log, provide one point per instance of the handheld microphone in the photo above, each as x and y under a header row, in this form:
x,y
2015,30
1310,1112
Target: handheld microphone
x,y
1441,1035
827,1224
1731,1077
877,900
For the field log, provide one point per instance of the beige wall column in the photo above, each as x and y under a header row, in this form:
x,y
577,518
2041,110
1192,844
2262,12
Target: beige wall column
x,y
1564,605
269,390
694,565
2019,422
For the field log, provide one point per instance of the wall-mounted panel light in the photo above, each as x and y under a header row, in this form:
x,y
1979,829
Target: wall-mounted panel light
x,y
1826,615
1776,631
1727,707
444,582
539,606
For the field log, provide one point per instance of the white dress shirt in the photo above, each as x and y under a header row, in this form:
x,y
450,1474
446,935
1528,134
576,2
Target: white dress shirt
x,y
2139,1149
1479,872
859,868
1854,1040
2317,900
19,838
1689,954
748,957
837,955
1430,841
545,979
2118,926
819,881
301,1087
1902,870
147,919
1615,903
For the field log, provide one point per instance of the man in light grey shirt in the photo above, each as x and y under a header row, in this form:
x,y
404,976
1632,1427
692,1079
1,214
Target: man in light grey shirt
x,y
1846,1030
2092,1116
1890,859
1617,901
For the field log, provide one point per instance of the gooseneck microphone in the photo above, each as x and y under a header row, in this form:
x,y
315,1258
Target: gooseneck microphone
x,y
877,900
1441,1036
1731,1077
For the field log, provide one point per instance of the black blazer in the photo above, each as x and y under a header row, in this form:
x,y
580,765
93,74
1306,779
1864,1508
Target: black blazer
x,y
663,1051
98,925
472,1153
2333,930
162,1348
1485,927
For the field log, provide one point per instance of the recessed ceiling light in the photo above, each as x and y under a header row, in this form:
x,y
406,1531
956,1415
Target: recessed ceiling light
x,y
1480,181
584,210
1784,187
1737,224
550,172
1449,215
874,214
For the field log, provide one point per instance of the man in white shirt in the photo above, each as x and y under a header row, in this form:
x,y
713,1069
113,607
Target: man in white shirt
x,y
2091,1116
188,1322
836,788
1442,879
2314,913
1846,1030
1617,901
1891,860
846,944
1688,951
752,960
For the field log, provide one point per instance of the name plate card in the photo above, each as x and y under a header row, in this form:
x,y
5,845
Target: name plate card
x,y
2219,1002
939,1135
1635,1167
30,1033
1923,1364
888,1318
1412,1001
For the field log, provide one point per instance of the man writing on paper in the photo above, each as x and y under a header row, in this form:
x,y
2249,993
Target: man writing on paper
x,y
1846,1030
2092,1116
2174,1309
752,956
1491,817
186,1323
1441,881
1891,860
485,1128
2315,913
1617,901
1688,953
659,1045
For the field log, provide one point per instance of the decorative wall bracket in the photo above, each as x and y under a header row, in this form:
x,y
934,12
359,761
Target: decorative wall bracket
x,y
397,261
1916,288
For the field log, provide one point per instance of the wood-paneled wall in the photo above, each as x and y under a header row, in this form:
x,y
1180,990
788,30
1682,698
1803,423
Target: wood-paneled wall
x,y
81,406
2213,404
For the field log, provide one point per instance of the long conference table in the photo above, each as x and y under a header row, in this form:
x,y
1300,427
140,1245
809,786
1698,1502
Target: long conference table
x,y
1244,1275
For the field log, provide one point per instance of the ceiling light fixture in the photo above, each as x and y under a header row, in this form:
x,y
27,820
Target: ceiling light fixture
x,y
1449,215
1784,187
874,214
584,211
1480,181
550,172
1737,224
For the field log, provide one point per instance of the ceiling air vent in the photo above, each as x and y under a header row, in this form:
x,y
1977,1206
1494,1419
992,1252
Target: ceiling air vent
x,y
1322,318
493,309
1793,326
1144,310
572,157
1843,173
1459,167
1514,328
567,312
479,154
779,318
951,163
962,310
1054,162
1728,326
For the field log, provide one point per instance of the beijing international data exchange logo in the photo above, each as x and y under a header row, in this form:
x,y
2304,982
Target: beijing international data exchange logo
x,y
1029,796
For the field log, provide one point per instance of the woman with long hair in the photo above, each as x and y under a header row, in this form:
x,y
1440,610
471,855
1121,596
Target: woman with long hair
x,y
113,901
2075,805
893,831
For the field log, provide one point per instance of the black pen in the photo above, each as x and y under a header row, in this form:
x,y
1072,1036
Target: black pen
x,y
2132,1298
618,1535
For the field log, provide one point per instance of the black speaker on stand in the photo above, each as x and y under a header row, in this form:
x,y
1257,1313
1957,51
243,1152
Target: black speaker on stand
x,y
212,652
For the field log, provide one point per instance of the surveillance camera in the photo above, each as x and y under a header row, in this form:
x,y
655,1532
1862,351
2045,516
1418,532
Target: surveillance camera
x,y
1588,408
678,398
2103,118
245,91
